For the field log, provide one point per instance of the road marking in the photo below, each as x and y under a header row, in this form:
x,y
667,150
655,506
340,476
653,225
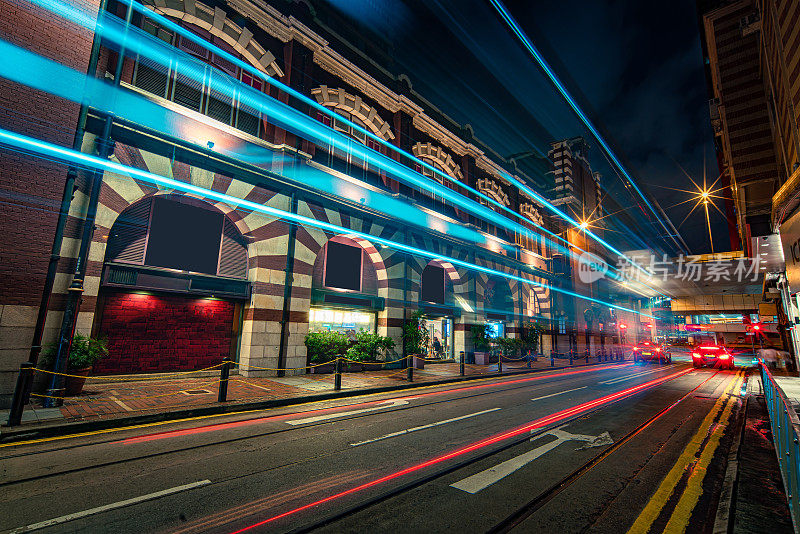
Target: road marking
x,y
629,377
475,483
112,506
694,486
317,418
501,380
559,393
423,427
687,458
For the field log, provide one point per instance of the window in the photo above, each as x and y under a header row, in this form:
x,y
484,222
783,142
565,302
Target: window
x,y
214,96
184,237
164,232
343,266
433,284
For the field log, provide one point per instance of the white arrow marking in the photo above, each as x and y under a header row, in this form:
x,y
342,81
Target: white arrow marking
x,y
475,483
423,427
316,418
559,393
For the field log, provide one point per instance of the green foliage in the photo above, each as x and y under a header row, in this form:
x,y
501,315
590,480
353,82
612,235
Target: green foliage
x,y
531,332
415,334
326,345
508,346
480,337
83,353
368,346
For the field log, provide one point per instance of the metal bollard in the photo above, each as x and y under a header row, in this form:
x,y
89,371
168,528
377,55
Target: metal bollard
x,y
24,381
500,363
224,374
552,358
410,365
587,355
570,358
337,375
461,365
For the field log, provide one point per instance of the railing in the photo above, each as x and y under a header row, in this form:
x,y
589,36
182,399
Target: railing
x,y
785,426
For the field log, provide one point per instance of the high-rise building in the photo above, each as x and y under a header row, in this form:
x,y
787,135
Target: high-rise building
x,y
576,187
739,112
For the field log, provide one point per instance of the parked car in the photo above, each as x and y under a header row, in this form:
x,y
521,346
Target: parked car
x,y
712,356
647,351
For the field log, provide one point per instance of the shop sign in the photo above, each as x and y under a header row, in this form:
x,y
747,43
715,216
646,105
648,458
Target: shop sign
x,y
790,241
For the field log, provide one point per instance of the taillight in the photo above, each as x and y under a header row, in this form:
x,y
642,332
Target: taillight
x,y
636,348
658,349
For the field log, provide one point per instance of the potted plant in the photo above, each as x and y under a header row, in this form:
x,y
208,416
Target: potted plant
x,y
83,354
324,347
482,342
415,334
367,347
531,333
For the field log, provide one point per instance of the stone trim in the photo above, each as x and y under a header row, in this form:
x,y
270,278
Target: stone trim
x,y
341,99
436,154
216,21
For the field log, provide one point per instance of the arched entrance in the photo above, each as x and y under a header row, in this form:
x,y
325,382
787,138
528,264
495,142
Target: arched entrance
x,y
173,284
346,278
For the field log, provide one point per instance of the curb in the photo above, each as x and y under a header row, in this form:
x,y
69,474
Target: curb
x,y
8,435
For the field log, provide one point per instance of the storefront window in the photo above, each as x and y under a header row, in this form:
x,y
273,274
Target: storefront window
x,y
440,337
345,321
495,329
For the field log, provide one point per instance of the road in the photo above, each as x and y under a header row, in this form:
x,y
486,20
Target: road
x,y
606,448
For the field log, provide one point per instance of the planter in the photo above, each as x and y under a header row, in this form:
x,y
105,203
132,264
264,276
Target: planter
x,y
324,369
481,358
73,385
352,367
418,362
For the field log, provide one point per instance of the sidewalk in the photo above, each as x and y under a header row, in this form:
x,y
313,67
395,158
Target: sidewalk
x,y
760,503
107,398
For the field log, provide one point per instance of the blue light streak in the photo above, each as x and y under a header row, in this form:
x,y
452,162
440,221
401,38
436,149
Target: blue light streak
x,y
424,184
57,153
571,102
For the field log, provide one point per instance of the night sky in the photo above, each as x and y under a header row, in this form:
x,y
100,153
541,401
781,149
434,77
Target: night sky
x,y
635,67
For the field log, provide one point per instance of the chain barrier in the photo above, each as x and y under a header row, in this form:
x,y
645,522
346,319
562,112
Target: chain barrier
x,y
130,378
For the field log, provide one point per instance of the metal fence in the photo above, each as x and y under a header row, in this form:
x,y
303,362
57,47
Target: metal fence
x,y
785,426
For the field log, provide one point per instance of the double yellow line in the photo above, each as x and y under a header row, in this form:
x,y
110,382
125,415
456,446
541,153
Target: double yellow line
x,y
696,457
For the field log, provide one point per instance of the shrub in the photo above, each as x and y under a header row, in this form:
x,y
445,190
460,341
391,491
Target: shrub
x,y
480,337
326,345
368,346
84,352
415,334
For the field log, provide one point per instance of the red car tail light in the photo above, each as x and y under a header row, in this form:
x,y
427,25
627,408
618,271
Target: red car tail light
x,y
635,348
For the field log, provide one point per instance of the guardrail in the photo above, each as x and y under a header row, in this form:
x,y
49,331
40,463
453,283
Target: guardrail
x,y
785,426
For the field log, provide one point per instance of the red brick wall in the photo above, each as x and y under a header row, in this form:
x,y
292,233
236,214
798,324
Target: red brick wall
x,y
31,189
154,333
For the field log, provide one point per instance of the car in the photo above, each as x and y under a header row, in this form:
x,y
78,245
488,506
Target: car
x,y
712,356
647,351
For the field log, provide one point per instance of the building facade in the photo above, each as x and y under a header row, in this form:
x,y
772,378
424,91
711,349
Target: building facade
x,y
179,277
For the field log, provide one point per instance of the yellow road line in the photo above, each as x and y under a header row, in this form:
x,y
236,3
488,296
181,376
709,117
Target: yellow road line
x,y
659,499
694,487
259,410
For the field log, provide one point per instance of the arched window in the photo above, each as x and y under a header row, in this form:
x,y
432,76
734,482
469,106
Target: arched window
x,y
216,94
178,233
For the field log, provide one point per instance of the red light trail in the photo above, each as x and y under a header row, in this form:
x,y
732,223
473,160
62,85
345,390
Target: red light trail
x,y
533,425
235,424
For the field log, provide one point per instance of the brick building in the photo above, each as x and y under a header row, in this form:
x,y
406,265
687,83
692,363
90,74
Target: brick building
x,y
179,280
30,188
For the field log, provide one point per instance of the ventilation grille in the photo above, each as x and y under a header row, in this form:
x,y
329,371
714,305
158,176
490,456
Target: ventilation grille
x,y
128,237
233,253
151,77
